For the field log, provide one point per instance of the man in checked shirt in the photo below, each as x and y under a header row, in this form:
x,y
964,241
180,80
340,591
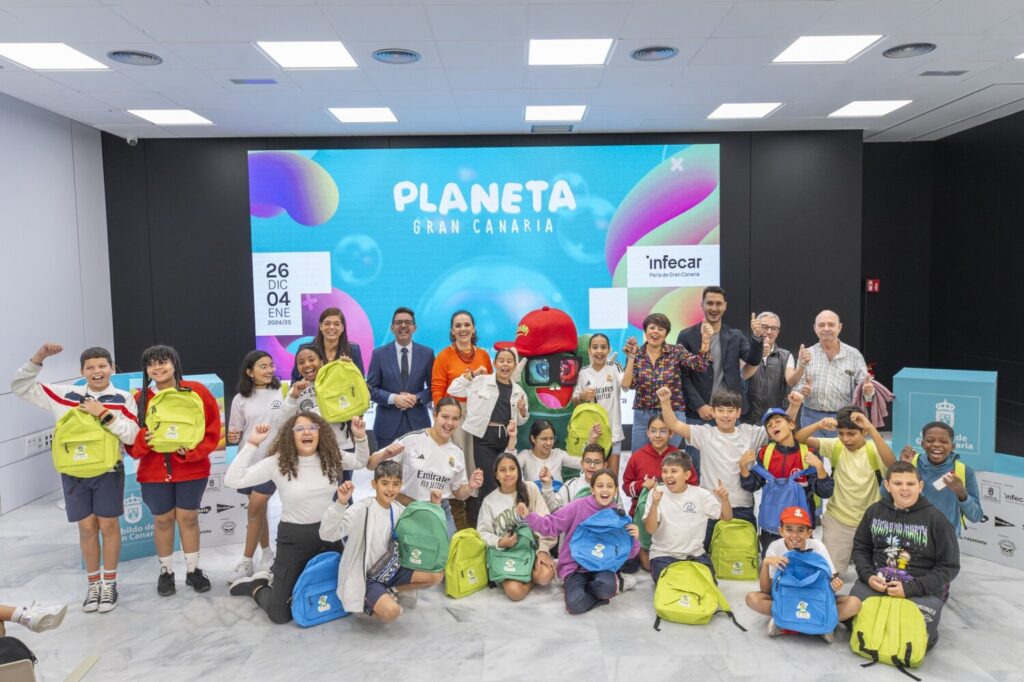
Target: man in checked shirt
x,y
834,371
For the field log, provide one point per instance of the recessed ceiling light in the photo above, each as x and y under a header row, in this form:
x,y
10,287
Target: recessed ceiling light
x,y
571,112
49,57
171,117
363,114
745,110
908,50
135,57
396,55
571,52
253,81
308,54
866,108
1020,56
654,53
825,49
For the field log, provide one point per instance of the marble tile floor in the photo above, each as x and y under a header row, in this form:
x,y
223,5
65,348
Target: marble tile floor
x,y
484,637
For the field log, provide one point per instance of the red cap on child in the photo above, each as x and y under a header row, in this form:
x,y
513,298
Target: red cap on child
x,y
796,516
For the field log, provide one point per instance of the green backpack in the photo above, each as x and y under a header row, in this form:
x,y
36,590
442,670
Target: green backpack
x,y
341,391
638,518
514,563
583,418
176,418
890,630
82,447
686,593
423,537
734,550
466,570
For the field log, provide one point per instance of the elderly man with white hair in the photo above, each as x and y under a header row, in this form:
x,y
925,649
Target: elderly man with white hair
x,y
834,371
769,384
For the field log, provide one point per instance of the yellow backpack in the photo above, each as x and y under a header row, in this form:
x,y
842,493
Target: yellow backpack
x,y
82,447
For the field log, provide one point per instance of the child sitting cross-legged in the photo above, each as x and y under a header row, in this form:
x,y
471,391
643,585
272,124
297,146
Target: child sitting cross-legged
x,y
795,529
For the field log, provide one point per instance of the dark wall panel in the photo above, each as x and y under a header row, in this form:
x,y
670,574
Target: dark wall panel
x,y
805,230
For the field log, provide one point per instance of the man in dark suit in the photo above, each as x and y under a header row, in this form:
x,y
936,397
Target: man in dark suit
x,y
399,381
728,348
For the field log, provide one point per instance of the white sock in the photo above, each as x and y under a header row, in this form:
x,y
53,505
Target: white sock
x,y
167,564
191,561
18,613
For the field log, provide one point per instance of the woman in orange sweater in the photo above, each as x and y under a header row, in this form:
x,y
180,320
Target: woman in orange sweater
x,y
449,364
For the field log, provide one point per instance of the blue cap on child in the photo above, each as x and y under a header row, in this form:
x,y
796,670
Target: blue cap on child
x,y
771,412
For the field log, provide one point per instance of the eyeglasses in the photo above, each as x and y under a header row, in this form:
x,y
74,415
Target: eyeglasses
x,y
299,428
593,462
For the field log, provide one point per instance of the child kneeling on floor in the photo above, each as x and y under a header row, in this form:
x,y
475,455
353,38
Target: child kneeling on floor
x,y
584,589
370,578
795,529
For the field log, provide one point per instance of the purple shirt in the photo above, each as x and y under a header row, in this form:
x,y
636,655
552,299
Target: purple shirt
x,y
565,520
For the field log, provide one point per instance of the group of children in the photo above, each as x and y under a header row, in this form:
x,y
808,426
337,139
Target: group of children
x,y
288,447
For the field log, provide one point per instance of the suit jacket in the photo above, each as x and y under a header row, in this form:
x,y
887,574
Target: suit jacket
x,y
385,378
736,346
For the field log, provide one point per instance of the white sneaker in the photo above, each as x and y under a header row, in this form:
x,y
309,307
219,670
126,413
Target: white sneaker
x,y
267,559
38,617
829,637
626,582
773,629
243,569
92,597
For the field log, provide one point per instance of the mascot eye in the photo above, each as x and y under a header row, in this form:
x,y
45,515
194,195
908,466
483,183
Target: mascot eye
x,y
568,369
539,372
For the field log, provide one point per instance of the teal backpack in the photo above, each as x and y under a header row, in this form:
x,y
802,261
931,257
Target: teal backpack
x,y
638,518
734,550
82,447
341,391
423,537
514,563
583,418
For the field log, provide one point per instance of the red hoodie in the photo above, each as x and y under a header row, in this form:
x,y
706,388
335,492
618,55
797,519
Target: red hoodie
x,y
646,462
196,462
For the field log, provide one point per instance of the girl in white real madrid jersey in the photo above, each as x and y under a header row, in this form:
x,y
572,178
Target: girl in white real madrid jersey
x,y
430,461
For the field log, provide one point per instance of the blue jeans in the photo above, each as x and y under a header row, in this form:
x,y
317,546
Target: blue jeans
x,y
641,418
809,416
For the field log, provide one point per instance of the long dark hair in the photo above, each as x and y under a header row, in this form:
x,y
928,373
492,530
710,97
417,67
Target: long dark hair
x,y
344,347
521,494
327,447
615,479
451,324
246,385
152,355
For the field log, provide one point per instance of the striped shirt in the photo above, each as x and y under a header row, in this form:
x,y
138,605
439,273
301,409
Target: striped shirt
x,y
833,381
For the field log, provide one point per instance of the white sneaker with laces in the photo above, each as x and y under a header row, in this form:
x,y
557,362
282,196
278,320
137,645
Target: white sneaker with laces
x,y
92,597
38,617
243,569
267,559
626,582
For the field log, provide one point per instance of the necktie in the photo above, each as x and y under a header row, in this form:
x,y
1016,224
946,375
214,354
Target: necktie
x,y
405,366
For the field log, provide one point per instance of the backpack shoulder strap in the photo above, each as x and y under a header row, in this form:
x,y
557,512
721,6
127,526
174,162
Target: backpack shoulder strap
x,y
769,450
803,454
873,459
834,454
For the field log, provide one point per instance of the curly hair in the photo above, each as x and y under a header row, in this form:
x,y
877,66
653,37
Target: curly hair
x,y
288,454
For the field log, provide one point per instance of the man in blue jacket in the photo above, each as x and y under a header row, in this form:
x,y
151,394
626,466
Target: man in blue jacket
x,y
399,381
728,347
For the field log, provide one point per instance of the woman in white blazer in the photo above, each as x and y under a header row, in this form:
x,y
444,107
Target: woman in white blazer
x,y
494,402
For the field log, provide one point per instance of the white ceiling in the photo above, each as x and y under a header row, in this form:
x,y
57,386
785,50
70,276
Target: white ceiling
x,y
473,77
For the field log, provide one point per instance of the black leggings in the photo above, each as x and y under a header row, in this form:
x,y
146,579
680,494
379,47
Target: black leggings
x,y
297,544
485,451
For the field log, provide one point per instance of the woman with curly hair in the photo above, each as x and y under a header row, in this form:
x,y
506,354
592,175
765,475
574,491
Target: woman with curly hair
x,y
307,467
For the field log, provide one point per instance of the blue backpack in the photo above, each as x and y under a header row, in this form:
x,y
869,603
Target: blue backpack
x,y
802,596
601,542
315,597
778,494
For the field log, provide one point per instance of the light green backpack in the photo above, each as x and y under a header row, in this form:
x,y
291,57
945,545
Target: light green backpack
x,y
686,593
583,418
734,551
82,447
423,537
341,391
514,563
890,630
466,570
176,419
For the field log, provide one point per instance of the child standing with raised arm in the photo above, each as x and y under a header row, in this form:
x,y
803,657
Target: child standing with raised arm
x,y
601,382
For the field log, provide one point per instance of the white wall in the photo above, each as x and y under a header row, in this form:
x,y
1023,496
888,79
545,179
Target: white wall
x,y
54,272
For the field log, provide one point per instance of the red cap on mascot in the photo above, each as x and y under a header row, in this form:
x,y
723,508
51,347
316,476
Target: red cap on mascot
x,y
543,332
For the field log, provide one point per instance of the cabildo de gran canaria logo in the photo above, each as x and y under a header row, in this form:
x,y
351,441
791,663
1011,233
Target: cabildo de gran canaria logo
x,y
502,203
133,508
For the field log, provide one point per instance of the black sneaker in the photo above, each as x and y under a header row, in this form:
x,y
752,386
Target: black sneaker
x,y
245,587
108,597
165,584
198,581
